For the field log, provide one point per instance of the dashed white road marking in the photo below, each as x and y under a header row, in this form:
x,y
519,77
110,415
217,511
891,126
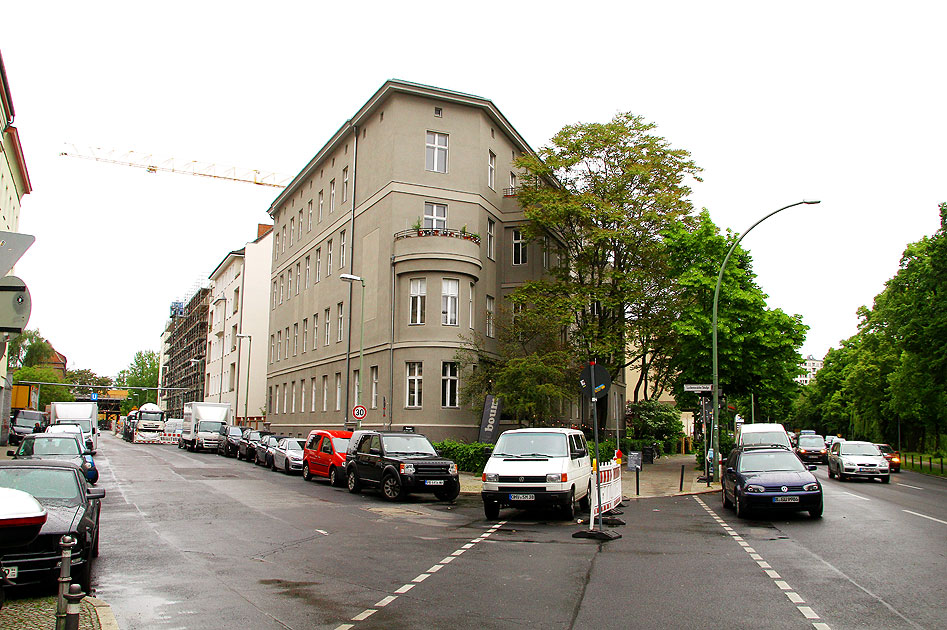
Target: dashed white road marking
x,y
365,614
909,486
857,496
925,516
386,601
404,589
780,583
421,578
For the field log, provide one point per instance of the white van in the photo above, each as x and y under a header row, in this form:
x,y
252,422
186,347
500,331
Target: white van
x,y
532,468
763,433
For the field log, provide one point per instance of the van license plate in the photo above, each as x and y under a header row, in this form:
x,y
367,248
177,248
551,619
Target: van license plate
x,y
10,572
434,482
785,499
522,497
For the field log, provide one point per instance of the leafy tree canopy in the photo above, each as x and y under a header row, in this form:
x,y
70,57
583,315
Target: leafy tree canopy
x,y
47,393
141,372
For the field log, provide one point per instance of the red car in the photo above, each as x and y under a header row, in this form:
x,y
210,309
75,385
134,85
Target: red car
x,y
893,457
324,455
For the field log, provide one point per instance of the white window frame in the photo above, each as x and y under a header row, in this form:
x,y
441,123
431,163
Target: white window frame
x,y
305,332
312,401
436,146
338,391
414,382
321,205
492,170
341,321
417,301
491,316
298,276
450,289
435,215
331,196
292,405
308,271
491,238
295,339
328,315
292,230
342,249
470,306
315,331
345,184
289,284
318,264
279,344
329,258
374,376
520,256
356,384
309,229
325,392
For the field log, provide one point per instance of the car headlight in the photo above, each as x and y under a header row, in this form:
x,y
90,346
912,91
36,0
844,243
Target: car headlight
x,y
753,488
452,469
811,487
557,477
407,469
491,477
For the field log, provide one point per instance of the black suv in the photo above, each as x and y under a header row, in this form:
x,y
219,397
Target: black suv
x,y
398,464
229,443
246,445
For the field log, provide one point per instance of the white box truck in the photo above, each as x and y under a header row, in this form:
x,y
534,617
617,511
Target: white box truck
x,y
201,427
85,414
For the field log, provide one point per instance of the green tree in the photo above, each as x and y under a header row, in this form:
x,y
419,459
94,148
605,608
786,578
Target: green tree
x,y
86,377
757,347
47,393
28,349
598,198
650,419
141,372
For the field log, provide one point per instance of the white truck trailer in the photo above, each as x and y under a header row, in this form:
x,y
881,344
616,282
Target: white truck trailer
x,y
202,424
85,414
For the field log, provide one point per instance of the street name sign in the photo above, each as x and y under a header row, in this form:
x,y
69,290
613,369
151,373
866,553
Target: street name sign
x,y
698,387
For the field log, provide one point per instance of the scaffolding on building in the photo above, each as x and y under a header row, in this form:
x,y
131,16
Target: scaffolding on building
x,y
183,379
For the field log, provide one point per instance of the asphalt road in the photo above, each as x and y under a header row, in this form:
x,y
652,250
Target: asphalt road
x,y
194,540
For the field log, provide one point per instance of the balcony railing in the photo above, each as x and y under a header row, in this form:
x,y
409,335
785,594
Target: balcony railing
x,y
416,232
510,192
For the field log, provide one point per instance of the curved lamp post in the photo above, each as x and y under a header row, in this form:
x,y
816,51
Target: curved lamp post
x,y
715,426
246,396
348,277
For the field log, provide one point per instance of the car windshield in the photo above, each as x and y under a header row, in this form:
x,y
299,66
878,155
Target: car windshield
x,y
764,437
150,416
49,446
532,445
770,462
340,444
408,445
64,428
234,431
210,426
811,441
294,445
26,421
850,448
49,485
884,448
253,436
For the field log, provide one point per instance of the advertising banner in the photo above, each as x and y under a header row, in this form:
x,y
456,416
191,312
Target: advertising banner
x,y
491,420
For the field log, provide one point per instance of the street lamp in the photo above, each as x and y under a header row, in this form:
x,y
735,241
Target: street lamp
x,y
715,425
347,277
246,400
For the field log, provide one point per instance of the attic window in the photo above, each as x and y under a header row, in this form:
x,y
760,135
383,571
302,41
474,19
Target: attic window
x,y
438,112
493,132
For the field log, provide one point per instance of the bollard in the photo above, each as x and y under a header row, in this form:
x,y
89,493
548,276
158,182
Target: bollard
x,y
74,596
637,483
681,488
66,543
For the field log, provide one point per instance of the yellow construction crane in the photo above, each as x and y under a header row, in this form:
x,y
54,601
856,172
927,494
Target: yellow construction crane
x,y
150,164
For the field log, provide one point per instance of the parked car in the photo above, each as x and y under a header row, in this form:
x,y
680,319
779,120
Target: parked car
x,y
59,446
770,478
265,448
764,434
70,429
857,459
893,457
229,440
246,447
531,468
811,448
324,455
24,422
73,508
288,455
398,464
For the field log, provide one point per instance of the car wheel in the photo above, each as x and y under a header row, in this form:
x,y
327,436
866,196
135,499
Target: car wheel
x,y
84,577
831,474
391,487
353,482
272,464
448,494
816,512
335,479
727,503
95,541
286,467
180,443
568,508
886,479
585,503
491,510
307,474
841,477
738,505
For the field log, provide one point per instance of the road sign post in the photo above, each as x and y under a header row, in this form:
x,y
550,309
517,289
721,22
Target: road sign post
x,y
359,412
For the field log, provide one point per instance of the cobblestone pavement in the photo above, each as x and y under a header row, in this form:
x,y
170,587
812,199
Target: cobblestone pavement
x,y
40,614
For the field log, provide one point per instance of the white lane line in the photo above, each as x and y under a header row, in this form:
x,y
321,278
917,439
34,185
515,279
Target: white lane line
x,y
365,614
771,573
818,625
458,552
345,626
783,585
925,516
795,598
909,486
468,545
421,578
448,560
764,564
404,589
807,612
435,568
386,601
857,496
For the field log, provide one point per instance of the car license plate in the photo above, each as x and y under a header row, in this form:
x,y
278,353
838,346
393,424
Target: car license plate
x,y
434,482
868,470
522,497
785,499
10,572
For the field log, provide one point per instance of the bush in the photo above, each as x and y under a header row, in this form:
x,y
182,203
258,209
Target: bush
x,y
468,457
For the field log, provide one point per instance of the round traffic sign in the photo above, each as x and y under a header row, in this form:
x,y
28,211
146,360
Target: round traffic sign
x,y
359,412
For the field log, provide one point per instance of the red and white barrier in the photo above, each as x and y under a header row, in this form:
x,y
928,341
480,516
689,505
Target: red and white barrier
x,y
610,480
156,437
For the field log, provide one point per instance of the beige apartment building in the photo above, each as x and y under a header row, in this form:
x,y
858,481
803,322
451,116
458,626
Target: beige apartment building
x,y
415,196
239,315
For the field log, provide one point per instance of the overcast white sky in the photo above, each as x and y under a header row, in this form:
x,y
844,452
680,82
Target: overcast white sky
x,y
778,102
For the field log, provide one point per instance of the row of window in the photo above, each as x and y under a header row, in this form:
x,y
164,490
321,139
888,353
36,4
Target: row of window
x,y
282,239
450,289
436,154
281,342
283,286
283,398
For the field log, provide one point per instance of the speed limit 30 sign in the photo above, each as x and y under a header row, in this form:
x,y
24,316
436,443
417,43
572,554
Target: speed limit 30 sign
x,y
359,412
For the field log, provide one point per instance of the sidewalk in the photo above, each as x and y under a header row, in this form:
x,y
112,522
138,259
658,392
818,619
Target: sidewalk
x,y
660,479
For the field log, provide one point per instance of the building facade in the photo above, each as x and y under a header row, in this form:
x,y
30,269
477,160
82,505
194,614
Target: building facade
x,y
811,365
184,344
238,316
415,196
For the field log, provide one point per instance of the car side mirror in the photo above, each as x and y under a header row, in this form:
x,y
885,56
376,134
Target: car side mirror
x,y
813,467
374,451
730,469
95,493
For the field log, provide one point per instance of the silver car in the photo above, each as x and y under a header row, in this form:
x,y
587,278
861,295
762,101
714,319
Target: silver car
x,y
857,459
288,455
